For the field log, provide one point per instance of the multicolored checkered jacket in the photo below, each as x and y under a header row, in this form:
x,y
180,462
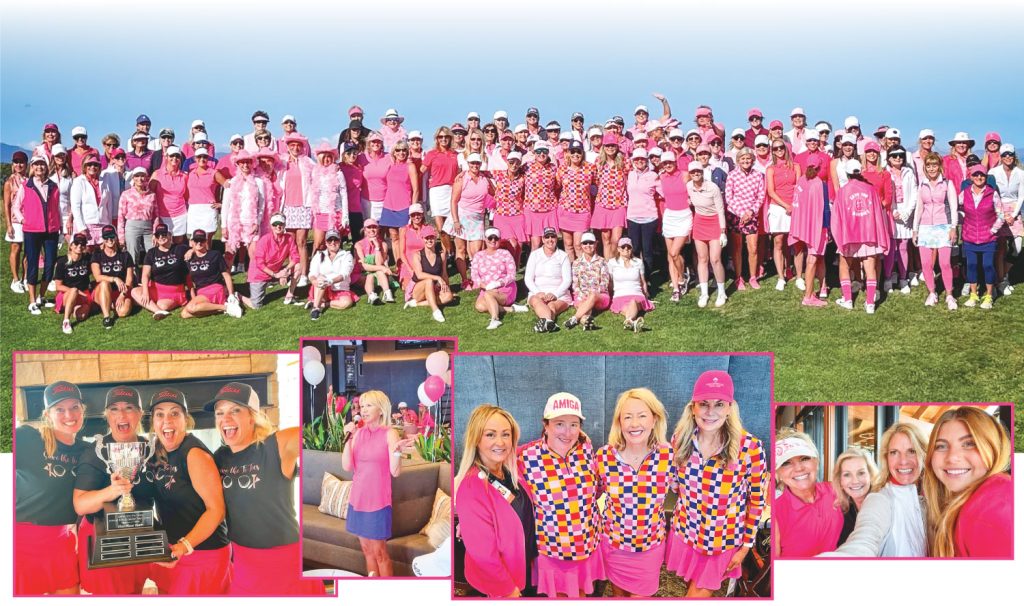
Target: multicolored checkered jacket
x,y
634,513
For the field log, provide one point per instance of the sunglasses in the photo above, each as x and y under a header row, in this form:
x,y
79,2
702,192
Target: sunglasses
x,y
78,243
292,122
491,131
278,224
626,246
738,138
110,237
588,243
755,118
1007,154
575,152
445,137
492,238
715,144
478,139
550,237
110,145
162,235
237,143
391,120
261,121
79,137
334,240
541,151
778,147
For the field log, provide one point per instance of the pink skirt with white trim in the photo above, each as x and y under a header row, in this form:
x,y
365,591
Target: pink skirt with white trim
x,y
44,558
569,577
620,302
605,218
707,571
536,222
572,222
511,228
638,572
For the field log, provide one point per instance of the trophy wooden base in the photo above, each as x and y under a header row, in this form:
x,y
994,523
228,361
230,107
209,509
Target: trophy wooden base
x,y
127,537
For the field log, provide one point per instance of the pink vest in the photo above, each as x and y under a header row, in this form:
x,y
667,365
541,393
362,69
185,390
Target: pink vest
x,y
978,222
40,211
371,478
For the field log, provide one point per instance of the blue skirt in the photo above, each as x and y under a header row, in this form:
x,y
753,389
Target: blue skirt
x,y
394,218
374,525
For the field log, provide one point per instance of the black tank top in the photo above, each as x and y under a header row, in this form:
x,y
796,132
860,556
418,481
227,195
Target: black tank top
x,y
434,269
45,484
259,498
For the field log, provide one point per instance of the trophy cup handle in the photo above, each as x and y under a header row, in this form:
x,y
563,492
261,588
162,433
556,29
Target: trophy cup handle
x,y
98,439
150,448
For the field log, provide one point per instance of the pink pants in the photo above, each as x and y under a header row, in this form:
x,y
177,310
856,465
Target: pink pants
x,y
928,265
897,252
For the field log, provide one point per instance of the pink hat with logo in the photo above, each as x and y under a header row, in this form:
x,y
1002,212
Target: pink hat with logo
x,y
993,137
775,124
872,146
713,385
563,403
610,139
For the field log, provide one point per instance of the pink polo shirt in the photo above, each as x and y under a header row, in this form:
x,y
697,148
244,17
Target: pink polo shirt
x,y
673,187
272,252
984,524
201,186
353,184
807,529
171,193
640,190
442,166
375,174
371,477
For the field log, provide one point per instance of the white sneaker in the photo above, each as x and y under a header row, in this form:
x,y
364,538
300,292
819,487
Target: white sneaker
x,y
438,315
51,287
233,309
966,290
720,300
869,307
388,297
844,304
409,303
904,287
951,303
373,298
519,309
34,309
65,326
914,281
781,284
18,287
638,324
303,281
1008,289
801,285
702,301
931,300
493,324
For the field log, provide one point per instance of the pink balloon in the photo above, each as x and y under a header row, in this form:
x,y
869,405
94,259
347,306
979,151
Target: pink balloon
x,y
437,363
434,388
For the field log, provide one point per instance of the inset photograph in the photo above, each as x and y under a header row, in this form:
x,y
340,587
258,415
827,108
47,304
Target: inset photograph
x,y
376,459
158,473
894,481
613,475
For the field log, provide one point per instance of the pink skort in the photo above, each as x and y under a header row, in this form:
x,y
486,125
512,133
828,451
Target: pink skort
x,y
569,577
509,290
44,558
536,222
604,301
84,298
511,228
572,222
170,292
706,227
618,303
861,251
214,293
707,571
637,572
263,572
334,295
119,580
605,218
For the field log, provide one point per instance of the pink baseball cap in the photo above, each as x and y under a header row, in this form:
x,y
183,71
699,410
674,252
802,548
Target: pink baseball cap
x,y
563,403
374,136
872,146
993,137
703,111
713,385
816,160
976,168
754,112
243,156
610,139
428,231
355,109
703,148
775,124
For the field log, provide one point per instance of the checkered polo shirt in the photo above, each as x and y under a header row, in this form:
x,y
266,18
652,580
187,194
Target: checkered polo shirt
x,y
634,515
564,498
719,505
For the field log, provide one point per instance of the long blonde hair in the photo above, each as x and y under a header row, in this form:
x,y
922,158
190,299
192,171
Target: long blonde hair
x,y
475,430
916,439
732,434
379,399
657,409
943,505
842,499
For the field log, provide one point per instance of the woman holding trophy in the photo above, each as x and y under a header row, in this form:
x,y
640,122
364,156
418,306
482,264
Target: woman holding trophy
x,y
94,486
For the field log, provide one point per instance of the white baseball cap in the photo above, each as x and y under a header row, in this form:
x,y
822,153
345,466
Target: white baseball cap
x,y
788,448
563,403
641,108
848,138
926,132
1007,148
500,115
514,156
286,118
519,128
200,137
472,116
797,111
202,151
694,165
738,132
492,231
654,151
595,132
565,136
236,137
676,133
853,166
810,133
196,123
173,150
474,158
639,153
415,135
78,131
893,133
851,121
669,156
761,140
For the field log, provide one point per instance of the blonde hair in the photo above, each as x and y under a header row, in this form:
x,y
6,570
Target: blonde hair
x,y
943,505
732,434
475,430
916,439
401,145
842,499
444,130
262,426
190,424
657,409
138,425
483,148
790,432
379,399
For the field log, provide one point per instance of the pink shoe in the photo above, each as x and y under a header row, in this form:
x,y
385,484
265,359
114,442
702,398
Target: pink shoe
x,y
740,285
813,302
754,284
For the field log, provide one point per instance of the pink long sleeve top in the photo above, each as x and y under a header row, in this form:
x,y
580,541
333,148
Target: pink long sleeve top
x,y
494,538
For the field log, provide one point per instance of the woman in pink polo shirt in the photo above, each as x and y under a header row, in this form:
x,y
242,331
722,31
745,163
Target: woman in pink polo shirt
x,y
676,221
493,506
203,207
329,194
373,453
169,183
575,177
609,216
780,180
440,164
375,163
402,188
807,520
509,192
541,197
353,173
410,241
471,194
636,473
954,166
967,487
295,180
643,189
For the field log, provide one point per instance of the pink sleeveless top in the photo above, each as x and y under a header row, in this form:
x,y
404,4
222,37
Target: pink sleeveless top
x,y
398,195
673,187
785,182
473,194
371,478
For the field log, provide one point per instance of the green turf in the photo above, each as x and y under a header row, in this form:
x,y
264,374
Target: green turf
x,y
905,352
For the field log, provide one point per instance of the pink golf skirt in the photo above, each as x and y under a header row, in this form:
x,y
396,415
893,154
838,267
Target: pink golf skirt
x,y
323,221
170,292
84,298
618,303
334,295
637,572
509,290
706,227
606,218
570,577
511,228
215,293
44,558
411,285
604,301
206,572
817,251
536,222
119,580
861,251
707,571
270,571
572,222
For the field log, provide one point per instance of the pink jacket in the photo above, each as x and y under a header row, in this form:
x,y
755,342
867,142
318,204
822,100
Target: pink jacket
x,y
808,213
858,217
981,222
983,526
493,534
936,204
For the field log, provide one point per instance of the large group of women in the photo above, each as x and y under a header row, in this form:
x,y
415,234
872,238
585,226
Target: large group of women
x,y
948,495
229,515
529,515
599,207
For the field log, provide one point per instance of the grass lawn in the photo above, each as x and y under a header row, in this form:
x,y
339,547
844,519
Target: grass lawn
x,y
905,352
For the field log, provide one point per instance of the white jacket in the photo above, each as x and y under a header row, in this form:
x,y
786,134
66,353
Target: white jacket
x,y
111,190
903,228
85,208
321,265
891,523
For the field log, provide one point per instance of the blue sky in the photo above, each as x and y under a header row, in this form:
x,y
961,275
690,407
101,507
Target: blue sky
x,y
907,65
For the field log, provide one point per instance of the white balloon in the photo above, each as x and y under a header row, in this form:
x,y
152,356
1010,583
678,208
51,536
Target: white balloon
x,y
424,400
437,363
313,371
311,353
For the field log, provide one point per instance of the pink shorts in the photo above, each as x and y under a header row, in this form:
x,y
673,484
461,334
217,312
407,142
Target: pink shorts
x,y
606,218
569,577
511,228
120,580
706,227
604,301
572,222
204,572
168,292
334,295
618,303
44,558
707,571
508,290
261,572
215,293
84,298
536,222
635,571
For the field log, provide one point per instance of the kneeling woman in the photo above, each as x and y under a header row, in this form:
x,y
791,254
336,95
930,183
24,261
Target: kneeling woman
x,y
212,289
967,486
162,287
373,453
635,471
558,468
716,517
494,510
258,467
44,462
189,501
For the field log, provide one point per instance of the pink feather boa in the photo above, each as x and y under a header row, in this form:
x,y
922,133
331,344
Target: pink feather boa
x,y
243,207
327,183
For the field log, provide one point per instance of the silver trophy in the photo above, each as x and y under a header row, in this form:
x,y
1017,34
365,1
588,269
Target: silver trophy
x,y
126,459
